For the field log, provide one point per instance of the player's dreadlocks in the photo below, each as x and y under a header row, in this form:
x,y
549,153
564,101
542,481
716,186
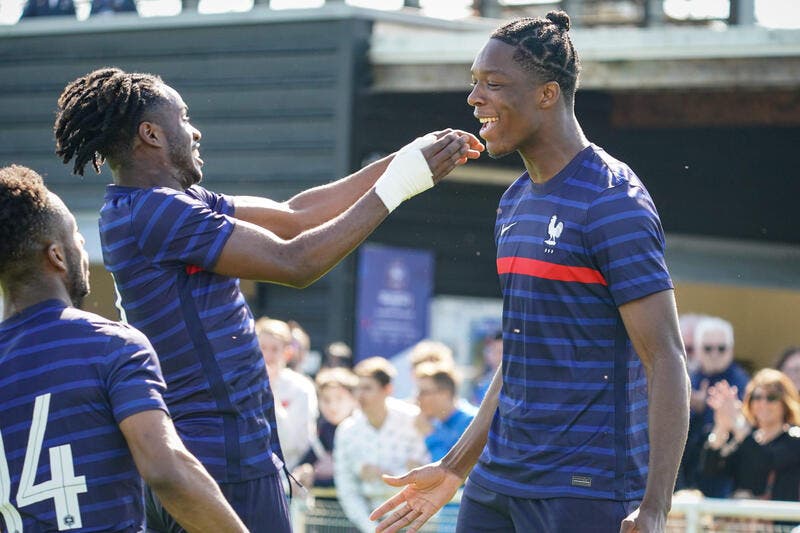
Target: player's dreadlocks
x,y
544,49
98,115
25,218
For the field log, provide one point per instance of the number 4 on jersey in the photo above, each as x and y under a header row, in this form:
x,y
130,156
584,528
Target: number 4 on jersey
x,y
63,487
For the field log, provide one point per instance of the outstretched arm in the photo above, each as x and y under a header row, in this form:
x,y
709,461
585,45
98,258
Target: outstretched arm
x,y
253,252
430,487
182,484
321,204
652,325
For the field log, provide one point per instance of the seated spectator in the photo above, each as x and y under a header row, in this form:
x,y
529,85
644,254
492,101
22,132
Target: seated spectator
x,y
109,7
379,439
789,364
757,441
492,358
48,8
442,419
335,394
713,344
293,392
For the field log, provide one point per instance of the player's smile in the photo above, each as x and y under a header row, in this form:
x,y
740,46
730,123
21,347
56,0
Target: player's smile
x,y
487,124
196,154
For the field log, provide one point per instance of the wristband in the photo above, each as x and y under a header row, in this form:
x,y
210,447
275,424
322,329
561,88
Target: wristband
x,y
407,175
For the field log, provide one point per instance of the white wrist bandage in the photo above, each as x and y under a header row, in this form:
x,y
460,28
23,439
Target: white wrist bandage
x,y
407,175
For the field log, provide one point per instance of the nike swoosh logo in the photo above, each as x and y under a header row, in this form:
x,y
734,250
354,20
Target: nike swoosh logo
x,y
506,228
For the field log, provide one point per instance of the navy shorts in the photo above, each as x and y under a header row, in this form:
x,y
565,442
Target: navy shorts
x,y
260,503
484,510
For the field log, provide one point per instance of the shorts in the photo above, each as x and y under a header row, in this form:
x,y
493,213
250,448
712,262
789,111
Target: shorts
x,y
261,504
483,510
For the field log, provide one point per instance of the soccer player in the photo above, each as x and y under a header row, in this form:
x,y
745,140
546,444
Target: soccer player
x,y
583,426
176,251
81,396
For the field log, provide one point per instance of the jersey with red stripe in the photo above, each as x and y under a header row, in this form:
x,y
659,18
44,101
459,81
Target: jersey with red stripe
x,y
572,415
161,245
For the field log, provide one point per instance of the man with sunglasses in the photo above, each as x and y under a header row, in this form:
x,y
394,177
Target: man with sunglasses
x,y
713,346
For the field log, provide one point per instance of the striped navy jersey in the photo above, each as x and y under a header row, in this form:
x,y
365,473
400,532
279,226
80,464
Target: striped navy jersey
x,y
572,415
161,244
67,379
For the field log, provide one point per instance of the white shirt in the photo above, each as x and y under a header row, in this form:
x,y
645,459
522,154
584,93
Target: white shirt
x,y
296,394
393,447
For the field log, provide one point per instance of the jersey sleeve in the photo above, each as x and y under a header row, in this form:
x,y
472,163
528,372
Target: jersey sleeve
x,y
133,375
219,203
174,228
626,240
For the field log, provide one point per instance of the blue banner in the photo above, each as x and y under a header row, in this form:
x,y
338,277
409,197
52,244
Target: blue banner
x,y
394,290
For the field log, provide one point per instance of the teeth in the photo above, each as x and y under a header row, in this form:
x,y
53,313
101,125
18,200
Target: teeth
x,y
488,119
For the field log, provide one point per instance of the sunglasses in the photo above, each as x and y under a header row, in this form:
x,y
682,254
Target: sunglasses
x,y
771,397
720,348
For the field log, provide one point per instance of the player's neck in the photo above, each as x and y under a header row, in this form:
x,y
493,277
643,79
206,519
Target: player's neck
x,y
144,174
557,144
24,295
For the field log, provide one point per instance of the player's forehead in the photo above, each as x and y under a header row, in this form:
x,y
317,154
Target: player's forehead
x,y
173,97
496,57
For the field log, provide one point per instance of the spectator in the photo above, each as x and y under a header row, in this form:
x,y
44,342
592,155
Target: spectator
x,y
688,323
713,343
789,364
757,441
430,351
492,357
48,8
442,418
379,439
299,348
336,395
109,7
338,354
294,392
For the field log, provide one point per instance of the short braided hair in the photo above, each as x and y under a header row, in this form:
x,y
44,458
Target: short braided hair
x,y
98,115
26,216
544,49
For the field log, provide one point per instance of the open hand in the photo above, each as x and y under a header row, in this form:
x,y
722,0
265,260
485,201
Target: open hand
x,y
426,490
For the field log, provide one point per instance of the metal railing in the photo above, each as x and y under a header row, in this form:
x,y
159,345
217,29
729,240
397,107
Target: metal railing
x,y
689,515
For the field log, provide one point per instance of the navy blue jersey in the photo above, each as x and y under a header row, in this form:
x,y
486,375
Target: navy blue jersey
x,y
161,244
572,416
67,379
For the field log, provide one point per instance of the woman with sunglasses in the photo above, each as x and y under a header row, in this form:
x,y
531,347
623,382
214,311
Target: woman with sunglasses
x,y
757,440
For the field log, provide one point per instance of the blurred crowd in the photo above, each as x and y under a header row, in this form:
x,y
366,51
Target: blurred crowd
x,y
340,426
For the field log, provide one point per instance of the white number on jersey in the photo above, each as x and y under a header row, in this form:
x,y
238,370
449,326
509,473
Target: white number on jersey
x,y
63,487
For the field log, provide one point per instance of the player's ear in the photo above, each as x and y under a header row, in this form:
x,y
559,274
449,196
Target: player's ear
x,y
56,257
549,94
151,134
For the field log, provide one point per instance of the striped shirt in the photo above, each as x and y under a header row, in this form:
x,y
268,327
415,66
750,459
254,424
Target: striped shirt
x,y
161,245
572,415
67,379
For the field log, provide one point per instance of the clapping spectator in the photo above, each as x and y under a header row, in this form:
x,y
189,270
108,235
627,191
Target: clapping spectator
x,y
713,344
756,441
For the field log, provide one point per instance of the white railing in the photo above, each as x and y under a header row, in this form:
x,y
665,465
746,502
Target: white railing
x,y
712,514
